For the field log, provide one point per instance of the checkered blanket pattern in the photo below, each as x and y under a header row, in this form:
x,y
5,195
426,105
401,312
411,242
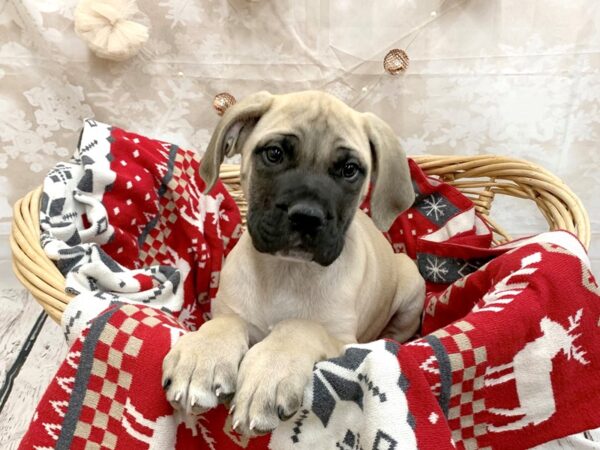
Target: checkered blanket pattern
x,y
508,355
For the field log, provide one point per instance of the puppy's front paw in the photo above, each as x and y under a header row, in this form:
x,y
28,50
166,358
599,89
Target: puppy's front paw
x,y
201,369
270,387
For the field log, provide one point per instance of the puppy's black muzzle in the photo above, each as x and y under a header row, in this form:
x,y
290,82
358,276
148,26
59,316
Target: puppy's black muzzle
x,y
306,217
301,218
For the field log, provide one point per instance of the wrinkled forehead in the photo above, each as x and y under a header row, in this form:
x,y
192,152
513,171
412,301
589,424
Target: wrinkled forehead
x,y
322,124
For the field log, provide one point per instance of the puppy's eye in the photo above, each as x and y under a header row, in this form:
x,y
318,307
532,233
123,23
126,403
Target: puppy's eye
x,y
350,171
273,155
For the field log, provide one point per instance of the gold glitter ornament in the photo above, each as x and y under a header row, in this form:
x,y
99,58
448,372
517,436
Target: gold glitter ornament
x,y
223,101
396,61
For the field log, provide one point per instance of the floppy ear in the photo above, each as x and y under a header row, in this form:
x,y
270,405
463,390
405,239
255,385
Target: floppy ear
x,y
231,132
393,191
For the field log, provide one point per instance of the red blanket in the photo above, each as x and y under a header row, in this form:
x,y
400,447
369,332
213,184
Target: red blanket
x,y
509,358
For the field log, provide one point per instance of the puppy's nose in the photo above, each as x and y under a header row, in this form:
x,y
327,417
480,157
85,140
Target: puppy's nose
x,y
306,216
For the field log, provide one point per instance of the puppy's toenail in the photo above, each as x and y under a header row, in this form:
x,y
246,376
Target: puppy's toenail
x,y
282,415
218,391
224,398
166,384
177,396
236,424
252,425
232,409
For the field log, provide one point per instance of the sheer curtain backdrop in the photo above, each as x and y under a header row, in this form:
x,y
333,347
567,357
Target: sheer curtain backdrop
x,y
512,77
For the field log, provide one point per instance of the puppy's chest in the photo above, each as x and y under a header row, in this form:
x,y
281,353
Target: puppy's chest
x,y
319,299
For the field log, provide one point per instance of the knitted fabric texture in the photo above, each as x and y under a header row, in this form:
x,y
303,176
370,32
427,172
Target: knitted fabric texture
x,y
508,355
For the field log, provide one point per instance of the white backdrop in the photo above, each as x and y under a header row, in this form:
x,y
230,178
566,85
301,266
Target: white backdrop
x,y
512,77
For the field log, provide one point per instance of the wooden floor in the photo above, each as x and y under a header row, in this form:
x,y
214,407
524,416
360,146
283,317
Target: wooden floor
x,y
18,316
20,322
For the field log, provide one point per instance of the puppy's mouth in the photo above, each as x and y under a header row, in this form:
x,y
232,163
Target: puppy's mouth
x,y
295,255
295,250
322,249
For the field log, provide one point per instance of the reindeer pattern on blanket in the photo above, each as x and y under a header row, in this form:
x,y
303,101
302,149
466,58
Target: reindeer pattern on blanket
x,y
534,381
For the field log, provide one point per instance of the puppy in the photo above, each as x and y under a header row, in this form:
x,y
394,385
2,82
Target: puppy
x,y
313,273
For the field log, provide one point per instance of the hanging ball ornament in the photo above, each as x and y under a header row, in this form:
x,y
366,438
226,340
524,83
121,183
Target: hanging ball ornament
x,y
396,61
223,101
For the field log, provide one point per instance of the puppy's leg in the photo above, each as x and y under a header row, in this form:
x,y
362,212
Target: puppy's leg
x,y
274,373
410,297
201,369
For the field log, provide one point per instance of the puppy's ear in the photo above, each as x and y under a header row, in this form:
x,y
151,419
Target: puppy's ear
x,y
393,191
231,132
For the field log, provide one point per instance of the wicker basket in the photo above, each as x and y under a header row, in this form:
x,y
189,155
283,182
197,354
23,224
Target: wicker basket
x,y
479,177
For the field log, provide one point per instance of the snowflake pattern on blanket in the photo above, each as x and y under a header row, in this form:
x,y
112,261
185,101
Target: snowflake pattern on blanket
x,y
508,357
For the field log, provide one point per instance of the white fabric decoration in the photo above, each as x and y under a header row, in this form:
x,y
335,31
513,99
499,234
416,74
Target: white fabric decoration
x,y
106,26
